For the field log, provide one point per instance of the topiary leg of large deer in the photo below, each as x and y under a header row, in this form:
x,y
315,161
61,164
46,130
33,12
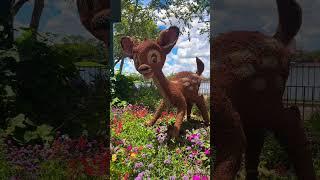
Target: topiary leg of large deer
x,y
203,109
292,135
157,114
228,137
255,140
229,144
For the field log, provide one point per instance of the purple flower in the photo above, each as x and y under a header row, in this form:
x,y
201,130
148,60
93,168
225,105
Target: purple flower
x,y
150,166
185,177
149,146
188,148
161,138
172,177
140,176
194,136
138,165
167,161
189,172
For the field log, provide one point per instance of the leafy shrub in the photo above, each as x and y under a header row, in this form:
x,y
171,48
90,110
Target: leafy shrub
x,y
124,87
147,95
44,92
23,131
45,86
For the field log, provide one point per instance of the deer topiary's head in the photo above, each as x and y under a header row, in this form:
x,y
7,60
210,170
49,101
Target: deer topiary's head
x,y
149,55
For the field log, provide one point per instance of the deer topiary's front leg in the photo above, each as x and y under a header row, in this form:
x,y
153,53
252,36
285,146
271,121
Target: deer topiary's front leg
x,y
157,114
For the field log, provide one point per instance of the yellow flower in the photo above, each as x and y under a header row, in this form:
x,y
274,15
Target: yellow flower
x,y
114,157
133,155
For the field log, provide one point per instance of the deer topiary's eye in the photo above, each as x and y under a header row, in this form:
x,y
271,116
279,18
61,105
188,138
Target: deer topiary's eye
x,y
154,56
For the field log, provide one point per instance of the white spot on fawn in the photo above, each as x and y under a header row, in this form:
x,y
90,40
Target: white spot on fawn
x,y
186,83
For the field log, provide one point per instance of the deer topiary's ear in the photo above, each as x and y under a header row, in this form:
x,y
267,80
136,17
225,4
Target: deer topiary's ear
x,y
127,46
168,38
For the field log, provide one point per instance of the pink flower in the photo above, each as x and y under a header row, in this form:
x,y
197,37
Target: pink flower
x,y
195,152
129,148
204,178
196,177
207,151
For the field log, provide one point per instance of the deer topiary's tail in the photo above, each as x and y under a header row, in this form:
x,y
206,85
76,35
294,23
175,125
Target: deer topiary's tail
x,y
290,20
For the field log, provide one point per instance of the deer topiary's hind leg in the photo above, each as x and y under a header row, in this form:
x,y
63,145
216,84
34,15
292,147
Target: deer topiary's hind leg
x,y
203,109
293,137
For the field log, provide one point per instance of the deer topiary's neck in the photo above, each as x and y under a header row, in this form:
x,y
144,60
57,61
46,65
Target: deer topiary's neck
x,y
162,84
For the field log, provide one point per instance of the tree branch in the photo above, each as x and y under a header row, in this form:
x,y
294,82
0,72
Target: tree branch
x,y
17,6
36,14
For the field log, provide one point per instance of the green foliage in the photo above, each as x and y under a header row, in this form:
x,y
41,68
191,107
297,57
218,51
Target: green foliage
x,y
116,102
124,87
8,61
184,11
126,92
39,81
44,92
149,96
5,169
273,153
53,169
23,130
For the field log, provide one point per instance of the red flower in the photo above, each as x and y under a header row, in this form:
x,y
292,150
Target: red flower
x,y
119,127
126,176
82,143
164,113
89,170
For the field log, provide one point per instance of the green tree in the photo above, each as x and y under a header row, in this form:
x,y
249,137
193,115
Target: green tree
x,y
184,11
136,21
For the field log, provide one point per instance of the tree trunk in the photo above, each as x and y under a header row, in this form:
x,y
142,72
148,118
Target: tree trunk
x,y
36,15
121,65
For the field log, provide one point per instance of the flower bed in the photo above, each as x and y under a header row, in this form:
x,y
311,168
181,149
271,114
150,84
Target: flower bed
x,y
140,152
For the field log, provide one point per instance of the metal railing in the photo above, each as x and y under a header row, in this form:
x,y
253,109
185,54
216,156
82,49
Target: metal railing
x,y
302,88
